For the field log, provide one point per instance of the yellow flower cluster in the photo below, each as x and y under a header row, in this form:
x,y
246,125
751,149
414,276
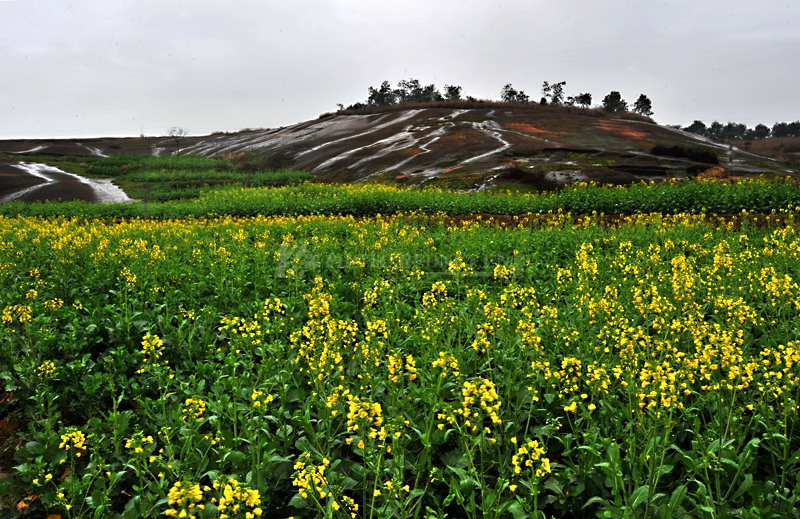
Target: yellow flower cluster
x,y
236,497
365,419
46,369
311,478
437,293
23,314
271,316
322,341
193,409
371,347
504,273
483,332
257,399
152,347
380,289
130,279
312,483
479,395
152,350
214,439
458,265
183,499
73,439
394,363
138,442
445,361
54,304
244,328
530,456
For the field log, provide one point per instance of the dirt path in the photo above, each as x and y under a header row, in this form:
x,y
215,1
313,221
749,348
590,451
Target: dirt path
x,y
34,182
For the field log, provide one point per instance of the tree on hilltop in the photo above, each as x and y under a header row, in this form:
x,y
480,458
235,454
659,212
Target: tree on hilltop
x,y
643,106
407,91
734,131
613,102
510,95
698,128
554,92
383,96
716,131
411,91
761,131
786,129
452,92
585,100
177,135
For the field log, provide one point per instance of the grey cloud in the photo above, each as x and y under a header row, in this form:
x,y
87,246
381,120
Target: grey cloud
x,y
90,68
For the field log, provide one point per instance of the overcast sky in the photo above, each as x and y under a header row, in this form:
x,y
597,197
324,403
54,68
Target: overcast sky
x,y
75,68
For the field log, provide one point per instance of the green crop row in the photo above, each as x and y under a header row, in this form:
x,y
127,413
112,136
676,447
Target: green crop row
x,y
759,196
161,179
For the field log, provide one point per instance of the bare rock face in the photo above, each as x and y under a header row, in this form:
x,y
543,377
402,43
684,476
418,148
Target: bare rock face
x,y
715,172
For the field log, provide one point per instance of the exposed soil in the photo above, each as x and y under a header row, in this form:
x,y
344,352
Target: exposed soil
x,y
65,187
36,182
13,180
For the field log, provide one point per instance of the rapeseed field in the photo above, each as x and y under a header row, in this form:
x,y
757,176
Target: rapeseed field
x,y
402,366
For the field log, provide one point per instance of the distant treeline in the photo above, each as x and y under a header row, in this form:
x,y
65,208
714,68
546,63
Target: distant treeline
x,y
738,131
412,91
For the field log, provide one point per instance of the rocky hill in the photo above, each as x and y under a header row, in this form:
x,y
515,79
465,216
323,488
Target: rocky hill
x,y
460,147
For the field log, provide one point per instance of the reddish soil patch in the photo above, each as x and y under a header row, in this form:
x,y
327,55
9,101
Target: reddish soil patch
x,y
450,170
622,129
525,127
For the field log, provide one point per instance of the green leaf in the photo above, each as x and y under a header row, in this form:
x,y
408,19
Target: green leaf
x,y
590,449
131,511
639,496
302,444
613,454
298,502
675,500
517,511
552,484
467,486
744,487
236,458
595,499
